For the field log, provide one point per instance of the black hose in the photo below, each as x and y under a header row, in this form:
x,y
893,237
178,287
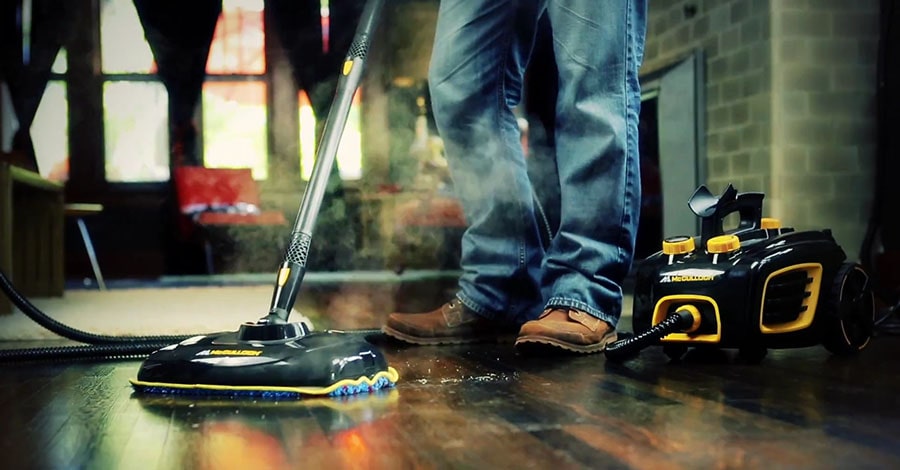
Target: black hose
x,y
71,333
98,346
92,351
628,348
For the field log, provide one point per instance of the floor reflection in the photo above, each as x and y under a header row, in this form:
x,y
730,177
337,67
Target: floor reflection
x,y
473,406
223,434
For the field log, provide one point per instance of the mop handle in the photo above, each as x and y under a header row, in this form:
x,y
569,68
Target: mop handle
x,y
348,82
293,268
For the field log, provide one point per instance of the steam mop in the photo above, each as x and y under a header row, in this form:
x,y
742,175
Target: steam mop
x,y
272,357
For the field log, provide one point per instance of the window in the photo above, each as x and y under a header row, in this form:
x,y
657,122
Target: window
x,y
232,115
50,128
325,14
234,94
234,126
349,155
135,102
136,131
123,48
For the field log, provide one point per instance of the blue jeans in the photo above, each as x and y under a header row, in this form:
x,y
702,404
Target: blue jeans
x,y
480,54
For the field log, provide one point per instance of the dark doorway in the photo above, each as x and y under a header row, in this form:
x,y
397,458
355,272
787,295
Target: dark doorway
x,y
649,235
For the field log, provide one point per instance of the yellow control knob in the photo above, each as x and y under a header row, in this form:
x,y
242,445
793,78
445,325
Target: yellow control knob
x,y
723,244
678,245
770,223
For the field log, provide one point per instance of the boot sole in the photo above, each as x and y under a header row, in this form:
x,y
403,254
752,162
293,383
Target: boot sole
x,y
423,341
534,340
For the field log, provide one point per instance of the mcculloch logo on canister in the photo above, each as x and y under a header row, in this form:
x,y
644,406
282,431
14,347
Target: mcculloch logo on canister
x,y
691,275
687,278
230,352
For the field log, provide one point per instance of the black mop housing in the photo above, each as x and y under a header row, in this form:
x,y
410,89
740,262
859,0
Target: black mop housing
x,y
312,364
272,357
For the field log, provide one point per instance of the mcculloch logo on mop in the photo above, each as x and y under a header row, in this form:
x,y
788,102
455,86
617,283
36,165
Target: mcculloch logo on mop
x,y
230,352
691,275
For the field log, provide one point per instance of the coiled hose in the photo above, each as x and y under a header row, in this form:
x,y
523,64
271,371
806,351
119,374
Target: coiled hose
x,y
98,346
628,348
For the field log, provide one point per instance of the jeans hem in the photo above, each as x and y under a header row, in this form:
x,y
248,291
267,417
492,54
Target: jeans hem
x,y
475,307
577,304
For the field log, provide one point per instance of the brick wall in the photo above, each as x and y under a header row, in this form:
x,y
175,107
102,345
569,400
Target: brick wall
x,y
790,101
734,36
824,54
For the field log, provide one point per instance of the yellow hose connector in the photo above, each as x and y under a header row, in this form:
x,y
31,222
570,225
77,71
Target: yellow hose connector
x,y
695,314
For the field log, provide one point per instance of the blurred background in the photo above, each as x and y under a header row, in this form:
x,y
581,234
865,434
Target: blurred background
x,y
110,101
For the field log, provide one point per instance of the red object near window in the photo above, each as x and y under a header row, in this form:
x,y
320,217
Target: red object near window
x,y
222,196
202,189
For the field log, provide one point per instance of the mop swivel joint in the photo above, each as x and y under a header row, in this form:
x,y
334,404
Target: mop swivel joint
x,y
272,331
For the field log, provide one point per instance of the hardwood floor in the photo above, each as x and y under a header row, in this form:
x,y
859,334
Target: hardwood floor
x,y
478,406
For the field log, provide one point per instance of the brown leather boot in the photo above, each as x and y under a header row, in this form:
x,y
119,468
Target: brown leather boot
x,y
452,323
569,329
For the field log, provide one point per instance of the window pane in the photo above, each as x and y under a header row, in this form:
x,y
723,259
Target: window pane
x,y
135,118
123,48
308,136
237,46
60,63
349,156
325,14
50,133
234,126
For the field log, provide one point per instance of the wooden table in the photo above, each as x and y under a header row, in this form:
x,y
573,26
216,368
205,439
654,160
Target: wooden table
x,y
31,233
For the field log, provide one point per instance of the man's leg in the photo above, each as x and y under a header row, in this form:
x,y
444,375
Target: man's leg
x,y
599,49
480,53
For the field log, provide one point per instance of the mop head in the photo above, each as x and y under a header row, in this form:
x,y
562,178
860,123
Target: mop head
x,y
317,364
346,387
